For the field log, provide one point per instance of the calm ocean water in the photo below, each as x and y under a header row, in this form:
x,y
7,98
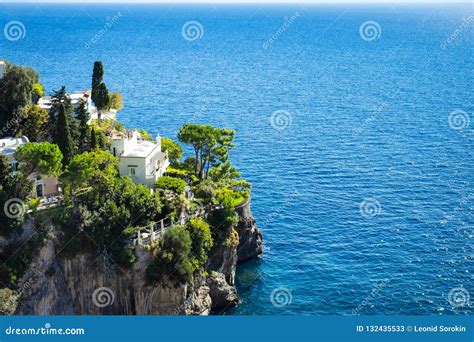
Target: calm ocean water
x,y
363,180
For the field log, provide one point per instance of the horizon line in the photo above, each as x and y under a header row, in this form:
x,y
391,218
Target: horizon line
x,y
255,2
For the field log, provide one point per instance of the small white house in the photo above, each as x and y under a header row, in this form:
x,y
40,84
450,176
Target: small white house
x,y
140,159
43,186
76,96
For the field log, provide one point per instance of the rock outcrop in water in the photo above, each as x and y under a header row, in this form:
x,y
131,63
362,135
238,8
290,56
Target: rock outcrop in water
x,y
54,285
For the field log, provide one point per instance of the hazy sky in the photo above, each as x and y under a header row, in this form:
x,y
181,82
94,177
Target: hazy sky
x,y
247,1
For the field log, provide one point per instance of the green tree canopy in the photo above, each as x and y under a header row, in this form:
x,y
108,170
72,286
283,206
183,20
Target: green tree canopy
x,y
170,183
224,220
60,101
102,96
147,136
115,101
32,74
63,137
97,75
173,257
202,242
175,151
16,88
91,169
83,117
35,123
100,93
144,206
101,100
211,145
109,214
93,143
62,126
225,171
43,158
38,92
12,186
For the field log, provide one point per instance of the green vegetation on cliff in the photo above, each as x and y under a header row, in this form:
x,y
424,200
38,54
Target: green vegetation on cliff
x,y
102,212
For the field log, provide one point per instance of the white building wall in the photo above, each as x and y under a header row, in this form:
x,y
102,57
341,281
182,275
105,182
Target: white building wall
x,y
117,147
139,165
147,169
2,69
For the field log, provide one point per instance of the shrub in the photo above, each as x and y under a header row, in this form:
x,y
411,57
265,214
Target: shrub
x,y
206,191
38,92
145,134
34,203
170,183
175,151
177,172
228,196
17,256
8,301
173,257
224,220
201,237
109,215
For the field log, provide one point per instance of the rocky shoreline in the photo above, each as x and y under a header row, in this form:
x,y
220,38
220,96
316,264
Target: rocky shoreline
x,y
82,285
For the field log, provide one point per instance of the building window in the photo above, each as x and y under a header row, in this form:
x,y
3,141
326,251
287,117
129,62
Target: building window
x,y
39,190
132,171
115,152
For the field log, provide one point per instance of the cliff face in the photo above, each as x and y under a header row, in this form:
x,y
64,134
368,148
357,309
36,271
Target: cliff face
x,y
250,237
84,285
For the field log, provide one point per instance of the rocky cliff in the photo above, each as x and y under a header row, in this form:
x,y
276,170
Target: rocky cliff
x,y
82,285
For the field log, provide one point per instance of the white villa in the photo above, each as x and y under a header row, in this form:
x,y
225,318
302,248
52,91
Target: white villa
x,y
76,97
44,186
140,159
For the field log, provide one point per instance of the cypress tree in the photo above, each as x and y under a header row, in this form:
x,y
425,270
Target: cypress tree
x,y
102,100
63,135
60,101
100,93
97,76
93,139
83,116
101,141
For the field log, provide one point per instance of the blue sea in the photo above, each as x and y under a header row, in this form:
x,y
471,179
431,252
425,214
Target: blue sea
x,y
353,123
